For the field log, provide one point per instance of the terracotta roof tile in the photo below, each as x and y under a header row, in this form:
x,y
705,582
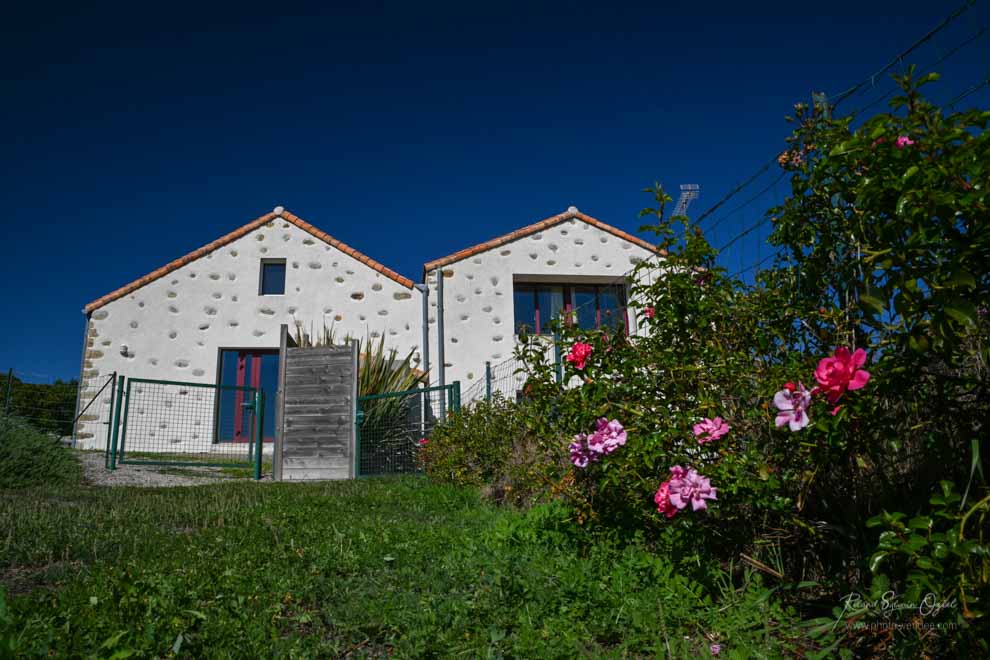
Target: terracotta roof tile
x,y
532,229
233,236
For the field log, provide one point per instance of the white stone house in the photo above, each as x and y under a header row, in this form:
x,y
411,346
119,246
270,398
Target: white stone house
x,y
567,262
213,315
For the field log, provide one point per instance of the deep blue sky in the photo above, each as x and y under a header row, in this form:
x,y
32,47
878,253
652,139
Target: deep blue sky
x,y
135,134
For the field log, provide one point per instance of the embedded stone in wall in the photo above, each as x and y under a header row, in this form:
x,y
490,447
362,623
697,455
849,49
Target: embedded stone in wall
x,y
383,312
578,241
534,256
258,333
198,372
181,364
215,276
259,236
100,314
486,308
217,295
231,276
204,326
376,287
267,311
234,323
233,253
173,309
339,279
315,265
134,324
460,297
357,295
402,295
505,253
210,310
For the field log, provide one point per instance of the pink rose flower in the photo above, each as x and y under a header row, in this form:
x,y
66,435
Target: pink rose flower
x,y
579,451
793,402
715,649
904,141
578,355
649,312
842,372
690,487
423,442
608,437
662,500
710,429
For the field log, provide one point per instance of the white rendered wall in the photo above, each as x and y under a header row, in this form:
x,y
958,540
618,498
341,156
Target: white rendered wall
x,y
174,327
478,301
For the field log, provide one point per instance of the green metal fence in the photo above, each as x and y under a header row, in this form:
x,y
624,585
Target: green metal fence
x,y
391,427
162,422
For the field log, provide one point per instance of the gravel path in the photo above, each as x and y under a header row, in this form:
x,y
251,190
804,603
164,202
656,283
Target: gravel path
x,y
152,476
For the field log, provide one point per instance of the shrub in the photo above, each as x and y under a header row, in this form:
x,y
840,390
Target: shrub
x,y
490,444
29,457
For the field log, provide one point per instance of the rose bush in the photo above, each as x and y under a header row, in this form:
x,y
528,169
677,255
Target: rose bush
x,y
875,301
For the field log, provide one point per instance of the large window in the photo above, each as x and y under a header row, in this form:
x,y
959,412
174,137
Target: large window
x,y
587,305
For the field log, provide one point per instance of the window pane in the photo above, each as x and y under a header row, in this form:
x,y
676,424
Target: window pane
x,y
272,278
525,309
550,300
584,306
611,301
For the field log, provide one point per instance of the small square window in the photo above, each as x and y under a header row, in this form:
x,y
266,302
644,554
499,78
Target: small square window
x,y
272,277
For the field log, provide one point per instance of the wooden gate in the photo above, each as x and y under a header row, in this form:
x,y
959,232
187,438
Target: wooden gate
x,y
315,412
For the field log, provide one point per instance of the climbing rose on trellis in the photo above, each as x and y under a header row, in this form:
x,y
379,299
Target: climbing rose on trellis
x,y
842,372
578,355
793,402
589,448
904,141
710,429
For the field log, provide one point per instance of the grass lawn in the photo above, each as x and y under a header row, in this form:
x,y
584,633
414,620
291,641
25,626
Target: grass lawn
x,y
362,568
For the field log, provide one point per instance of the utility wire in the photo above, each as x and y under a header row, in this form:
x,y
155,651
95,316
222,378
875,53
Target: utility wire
x,y
843,95
899,58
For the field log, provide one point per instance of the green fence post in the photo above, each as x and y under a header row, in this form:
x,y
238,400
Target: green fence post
x,y
259,421
557,365
110,425
358,419
115,416
488,381
457,396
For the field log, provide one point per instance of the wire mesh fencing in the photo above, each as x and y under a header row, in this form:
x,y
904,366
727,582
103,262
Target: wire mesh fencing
x,y
508,377
49,406
181,423
394,425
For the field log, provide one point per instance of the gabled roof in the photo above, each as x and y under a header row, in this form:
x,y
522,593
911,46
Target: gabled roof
x,y
278,213
570,214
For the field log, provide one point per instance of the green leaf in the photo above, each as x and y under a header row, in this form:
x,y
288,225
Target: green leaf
x,y
911,171
871,303
962,311
962,278
920,522
876,559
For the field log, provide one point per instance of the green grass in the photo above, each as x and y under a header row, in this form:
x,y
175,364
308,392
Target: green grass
x,y
369,567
